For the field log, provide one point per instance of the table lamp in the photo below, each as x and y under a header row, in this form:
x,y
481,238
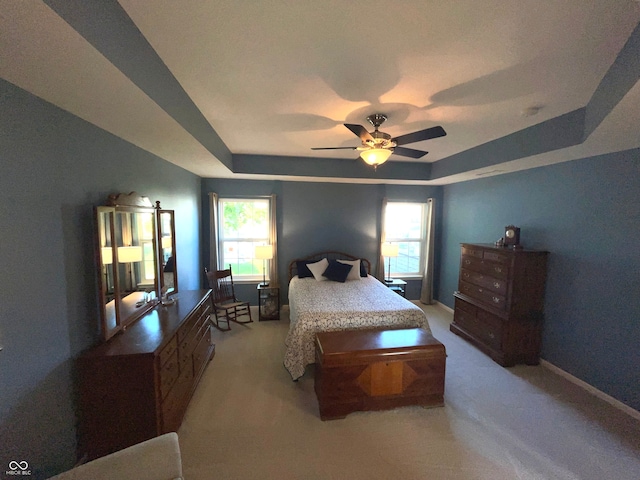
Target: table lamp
x,y
389,250
264,253
130,255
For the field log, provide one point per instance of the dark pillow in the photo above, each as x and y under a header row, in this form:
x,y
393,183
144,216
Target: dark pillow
x,y
363,269
303,270
337,271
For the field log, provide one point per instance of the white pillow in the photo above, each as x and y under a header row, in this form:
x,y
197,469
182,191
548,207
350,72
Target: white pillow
x,y
318,269
354,274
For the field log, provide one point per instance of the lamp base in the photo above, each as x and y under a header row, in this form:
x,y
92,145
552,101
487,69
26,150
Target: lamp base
x,y
388,280
263,284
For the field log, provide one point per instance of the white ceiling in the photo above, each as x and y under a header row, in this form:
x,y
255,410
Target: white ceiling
x,y
278,77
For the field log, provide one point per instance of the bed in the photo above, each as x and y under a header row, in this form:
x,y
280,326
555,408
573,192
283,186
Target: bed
x,y
360,302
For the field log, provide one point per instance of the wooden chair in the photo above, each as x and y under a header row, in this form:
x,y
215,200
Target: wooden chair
x,y
226,307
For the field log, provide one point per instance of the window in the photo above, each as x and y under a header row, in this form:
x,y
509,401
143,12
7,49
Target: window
x,y
405,225
243,224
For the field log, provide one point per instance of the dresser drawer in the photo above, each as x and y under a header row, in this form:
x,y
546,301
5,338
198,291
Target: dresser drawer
x,y
201,352
465,318
190,340
462,306
472,251
495,256
485,327
206,309
486,296
168,374
188,325
487,267
497,285
187,345
491,329
184,358
173,406
168,350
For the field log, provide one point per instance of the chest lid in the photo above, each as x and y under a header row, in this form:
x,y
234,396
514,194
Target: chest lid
x,y
360,344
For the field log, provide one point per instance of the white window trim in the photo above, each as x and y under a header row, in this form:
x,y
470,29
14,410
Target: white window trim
x,y
237,277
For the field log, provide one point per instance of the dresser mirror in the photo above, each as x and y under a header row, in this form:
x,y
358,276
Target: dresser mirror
x,y
128,260
167,240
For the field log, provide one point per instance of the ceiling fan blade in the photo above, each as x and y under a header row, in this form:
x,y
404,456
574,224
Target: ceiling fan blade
x,y
409,152
427,134
360,131
333,148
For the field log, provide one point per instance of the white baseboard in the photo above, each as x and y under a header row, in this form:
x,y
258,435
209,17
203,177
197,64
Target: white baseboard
x,y
445,307
592,390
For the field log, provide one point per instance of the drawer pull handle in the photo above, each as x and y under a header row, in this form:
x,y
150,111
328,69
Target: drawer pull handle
x,y
467,262
498,269
480,291
465,275
496,284
496,300
491,335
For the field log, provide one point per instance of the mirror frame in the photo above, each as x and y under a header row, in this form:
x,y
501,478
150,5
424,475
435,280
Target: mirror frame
x,y
161,264
126,308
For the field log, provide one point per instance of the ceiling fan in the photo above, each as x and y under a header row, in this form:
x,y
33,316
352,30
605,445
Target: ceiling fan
x,y
377,146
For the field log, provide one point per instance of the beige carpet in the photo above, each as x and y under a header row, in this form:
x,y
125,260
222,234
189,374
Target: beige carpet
x,y
248,420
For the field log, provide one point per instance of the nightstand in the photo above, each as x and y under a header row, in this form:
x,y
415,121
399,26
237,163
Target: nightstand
x,y
397,285
268,302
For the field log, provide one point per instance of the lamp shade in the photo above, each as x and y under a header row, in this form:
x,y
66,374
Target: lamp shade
x,y
107,255
129,254
264,252
390,249
376,156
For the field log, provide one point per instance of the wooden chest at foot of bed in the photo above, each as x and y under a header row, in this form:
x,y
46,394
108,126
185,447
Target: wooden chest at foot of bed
x,y
358,370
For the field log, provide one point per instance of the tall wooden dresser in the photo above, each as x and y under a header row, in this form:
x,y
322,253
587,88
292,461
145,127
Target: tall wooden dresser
x,y
499,302
137,385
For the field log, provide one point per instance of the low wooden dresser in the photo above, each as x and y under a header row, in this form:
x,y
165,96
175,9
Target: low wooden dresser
x,y
137,385
358,370
499,302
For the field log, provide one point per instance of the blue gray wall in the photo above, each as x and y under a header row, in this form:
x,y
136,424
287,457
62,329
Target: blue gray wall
x,y
586,213
54,167
314,217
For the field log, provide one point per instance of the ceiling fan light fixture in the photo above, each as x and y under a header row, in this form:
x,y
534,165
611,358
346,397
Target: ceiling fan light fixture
x,y
376,156
377,146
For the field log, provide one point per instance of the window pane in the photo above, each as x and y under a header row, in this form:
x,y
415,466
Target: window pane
x,y
408,259
404,220
149,262
240,256
245,218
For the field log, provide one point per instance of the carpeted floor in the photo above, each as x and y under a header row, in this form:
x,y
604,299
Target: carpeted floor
x,y
249,420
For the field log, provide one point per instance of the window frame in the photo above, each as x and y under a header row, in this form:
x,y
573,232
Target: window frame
x,y
238,276
421,241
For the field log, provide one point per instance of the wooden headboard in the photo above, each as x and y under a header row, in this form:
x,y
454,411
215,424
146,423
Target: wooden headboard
x,y
330,255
